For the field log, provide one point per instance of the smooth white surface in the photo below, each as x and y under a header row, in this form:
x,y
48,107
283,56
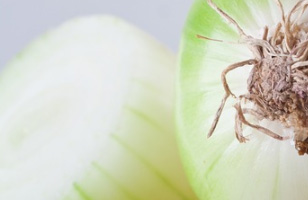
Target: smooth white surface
x,y
80,112
22,21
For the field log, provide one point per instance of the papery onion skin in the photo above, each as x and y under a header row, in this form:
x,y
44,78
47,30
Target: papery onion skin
x,y
220,167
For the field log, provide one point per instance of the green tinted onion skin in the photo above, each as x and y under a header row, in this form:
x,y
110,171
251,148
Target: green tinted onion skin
x,y
220,167
86,112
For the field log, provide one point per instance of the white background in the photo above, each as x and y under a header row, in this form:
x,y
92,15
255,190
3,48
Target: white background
x,y
23,20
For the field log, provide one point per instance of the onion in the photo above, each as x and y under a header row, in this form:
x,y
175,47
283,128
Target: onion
x,y
222,166
86,112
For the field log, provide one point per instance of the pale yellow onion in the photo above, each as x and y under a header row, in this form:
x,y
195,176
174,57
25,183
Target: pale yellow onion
x,y
86,112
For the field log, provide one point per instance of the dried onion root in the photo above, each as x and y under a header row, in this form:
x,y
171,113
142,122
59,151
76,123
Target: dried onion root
x,y
278,81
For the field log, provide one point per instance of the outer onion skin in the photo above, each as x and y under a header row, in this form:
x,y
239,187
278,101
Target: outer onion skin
x,y
220,168
86,112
